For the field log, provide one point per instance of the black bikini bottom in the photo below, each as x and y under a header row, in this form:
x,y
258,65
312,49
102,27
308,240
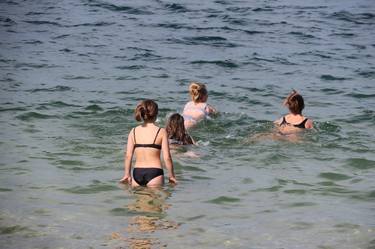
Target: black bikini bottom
x,y
142,176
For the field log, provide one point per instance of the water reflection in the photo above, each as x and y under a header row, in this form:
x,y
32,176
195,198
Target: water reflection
x,y
150,206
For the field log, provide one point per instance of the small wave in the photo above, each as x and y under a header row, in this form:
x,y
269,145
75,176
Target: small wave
x,y
34,65
60,36
224,200
256,58
17,229
216,41
160,76
34,115
5,190
223,2
176,8
331,91
95,187
59,104
251,89
132,67
328,127
33,42
32,13
295,191
149,56
360,18
302,35
366,74
73,77
95,24
344,35
329,77
173,26
127,77
192,168
66,50
334,176
263,9
7,22
11,109
361,163
93,108
253,32
207,38
301,204
57,88
239,9
235,21
44,23
361,95
119,8
221,63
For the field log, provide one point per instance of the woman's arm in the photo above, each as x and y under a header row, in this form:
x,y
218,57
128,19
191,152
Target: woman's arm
x,y
128,157
167,157
210,109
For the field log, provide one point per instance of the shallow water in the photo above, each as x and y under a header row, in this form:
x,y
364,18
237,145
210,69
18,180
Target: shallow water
x,y
72,72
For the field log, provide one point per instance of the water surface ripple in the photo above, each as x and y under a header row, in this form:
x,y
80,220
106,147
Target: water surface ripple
x,y
72,72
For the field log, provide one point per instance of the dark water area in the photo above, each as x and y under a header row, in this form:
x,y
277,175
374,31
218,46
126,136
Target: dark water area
x,y
71,73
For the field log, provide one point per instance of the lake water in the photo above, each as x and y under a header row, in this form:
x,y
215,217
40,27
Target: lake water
x,y
71,73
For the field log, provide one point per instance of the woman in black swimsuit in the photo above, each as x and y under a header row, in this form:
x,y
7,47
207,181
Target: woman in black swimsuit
x,y
148,170
294,121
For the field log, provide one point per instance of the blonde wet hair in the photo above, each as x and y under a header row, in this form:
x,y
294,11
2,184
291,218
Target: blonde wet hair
x,y
198,92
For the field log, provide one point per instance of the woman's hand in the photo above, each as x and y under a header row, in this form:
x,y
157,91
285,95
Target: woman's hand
x,y
126,179
172,180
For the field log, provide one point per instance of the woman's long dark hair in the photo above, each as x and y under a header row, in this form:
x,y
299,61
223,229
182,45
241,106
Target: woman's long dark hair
x,y
176,129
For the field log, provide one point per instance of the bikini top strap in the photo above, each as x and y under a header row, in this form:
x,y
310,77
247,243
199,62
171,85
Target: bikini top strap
x,y
304,122
284,120
135,141
156,135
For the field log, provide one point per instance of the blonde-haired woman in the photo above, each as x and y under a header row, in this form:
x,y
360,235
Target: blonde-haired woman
x,y
197,109
148,169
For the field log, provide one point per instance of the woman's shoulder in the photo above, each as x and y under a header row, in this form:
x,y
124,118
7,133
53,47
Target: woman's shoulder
x,y
309,123
189,103
162,130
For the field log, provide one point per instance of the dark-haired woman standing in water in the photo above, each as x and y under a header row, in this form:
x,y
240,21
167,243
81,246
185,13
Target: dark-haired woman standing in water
x,y
147,141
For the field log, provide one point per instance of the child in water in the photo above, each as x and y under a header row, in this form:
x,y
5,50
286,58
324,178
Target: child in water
x,y
176,131
294,121
147,141
197,109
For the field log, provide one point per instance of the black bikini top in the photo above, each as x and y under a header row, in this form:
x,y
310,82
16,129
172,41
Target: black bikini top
x,y
153,145
300,125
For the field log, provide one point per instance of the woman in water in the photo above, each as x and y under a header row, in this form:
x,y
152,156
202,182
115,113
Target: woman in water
x,y
176,131
148,170
197,109
294,121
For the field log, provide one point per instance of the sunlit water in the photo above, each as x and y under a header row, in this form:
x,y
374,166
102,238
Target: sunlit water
x,y
73,71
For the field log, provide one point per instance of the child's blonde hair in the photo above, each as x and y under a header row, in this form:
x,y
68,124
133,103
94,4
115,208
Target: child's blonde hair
x,y
198,91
